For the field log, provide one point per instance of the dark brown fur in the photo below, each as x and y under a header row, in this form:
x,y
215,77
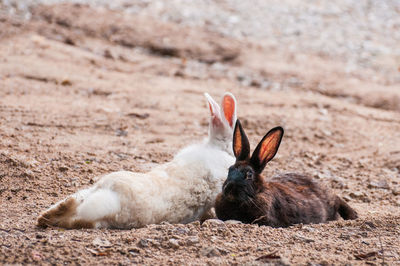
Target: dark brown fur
x,y
280,202
285,200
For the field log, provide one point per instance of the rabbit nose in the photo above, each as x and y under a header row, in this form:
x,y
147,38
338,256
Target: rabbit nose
x,y
234,175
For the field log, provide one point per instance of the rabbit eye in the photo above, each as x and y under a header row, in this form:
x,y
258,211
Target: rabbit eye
x,y
249,175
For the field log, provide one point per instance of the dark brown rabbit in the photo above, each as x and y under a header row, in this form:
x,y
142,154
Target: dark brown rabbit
x,y
279,202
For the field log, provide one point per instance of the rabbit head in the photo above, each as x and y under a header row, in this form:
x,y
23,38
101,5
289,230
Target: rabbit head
x,y
244,179
222,121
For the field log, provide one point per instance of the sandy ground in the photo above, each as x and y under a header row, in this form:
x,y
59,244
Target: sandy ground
x,y
81,97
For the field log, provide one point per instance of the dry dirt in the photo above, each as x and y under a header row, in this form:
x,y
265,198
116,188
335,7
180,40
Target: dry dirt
x,y
81,97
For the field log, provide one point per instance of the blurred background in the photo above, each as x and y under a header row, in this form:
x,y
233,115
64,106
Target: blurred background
x,y
90,87
328,40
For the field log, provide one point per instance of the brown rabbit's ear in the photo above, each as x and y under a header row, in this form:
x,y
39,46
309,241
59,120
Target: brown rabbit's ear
x,y
266,149
241,146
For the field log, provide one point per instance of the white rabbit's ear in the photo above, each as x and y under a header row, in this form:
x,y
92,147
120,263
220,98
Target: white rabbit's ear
x,y
228,109
214,108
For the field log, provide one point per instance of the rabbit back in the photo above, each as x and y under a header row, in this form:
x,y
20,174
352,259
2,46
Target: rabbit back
x,y
180,191
294,198
285,200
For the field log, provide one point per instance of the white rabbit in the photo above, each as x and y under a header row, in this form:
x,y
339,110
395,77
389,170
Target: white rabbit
x,y
179,191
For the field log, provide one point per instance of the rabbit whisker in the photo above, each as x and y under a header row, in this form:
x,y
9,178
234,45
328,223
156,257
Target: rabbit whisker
x,y
258,219
255,204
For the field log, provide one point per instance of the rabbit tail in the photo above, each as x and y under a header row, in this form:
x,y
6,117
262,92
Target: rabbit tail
x,y
87,208
345,210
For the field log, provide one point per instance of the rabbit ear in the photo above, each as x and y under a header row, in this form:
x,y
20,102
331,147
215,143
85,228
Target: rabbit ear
x,y
215,111
266,149
241,146
228,108
213,105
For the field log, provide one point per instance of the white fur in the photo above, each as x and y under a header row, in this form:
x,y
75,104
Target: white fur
x,y
180,191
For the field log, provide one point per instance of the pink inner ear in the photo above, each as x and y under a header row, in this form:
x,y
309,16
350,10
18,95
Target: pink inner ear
x,y
229,109
209,106
268,147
